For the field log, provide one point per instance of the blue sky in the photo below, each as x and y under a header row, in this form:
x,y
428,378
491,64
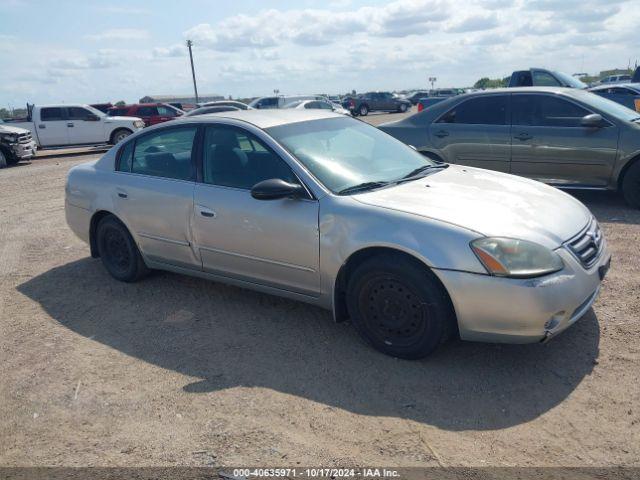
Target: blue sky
x,y
84,51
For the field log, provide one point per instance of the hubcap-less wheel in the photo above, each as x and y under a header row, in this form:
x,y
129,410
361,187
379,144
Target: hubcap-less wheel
x,y
116,250
403,108
392,311
364,110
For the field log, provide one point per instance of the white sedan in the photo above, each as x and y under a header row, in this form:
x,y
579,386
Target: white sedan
x,y
318,105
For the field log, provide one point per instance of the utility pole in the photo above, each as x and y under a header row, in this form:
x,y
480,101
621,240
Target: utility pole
x,y
193,71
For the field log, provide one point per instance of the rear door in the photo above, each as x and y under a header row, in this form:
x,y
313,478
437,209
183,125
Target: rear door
x,y
475,132
550,144
52,127
154,193
149,114
84,126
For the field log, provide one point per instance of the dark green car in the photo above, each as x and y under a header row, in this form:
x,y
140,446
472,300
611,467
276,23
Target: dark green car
x,y
564,137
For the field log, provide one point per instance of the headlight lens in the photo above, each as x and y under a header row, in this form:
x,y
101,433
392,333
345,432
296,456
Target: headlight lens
x,y
138,124
509,257
11,137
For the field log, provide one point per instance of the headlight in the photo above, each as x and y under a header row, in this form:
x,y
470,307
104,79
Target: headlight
x,y
11,137
508,257
138,124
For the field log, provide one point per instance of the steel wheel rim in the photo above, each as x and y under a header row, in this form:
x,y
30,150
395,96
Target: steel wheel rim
x,y
393,312
116,249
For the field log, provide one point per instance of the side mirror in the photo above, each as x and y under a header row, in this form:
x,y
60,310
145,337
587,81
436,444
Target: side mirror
x,y
593,120
92,118
275,188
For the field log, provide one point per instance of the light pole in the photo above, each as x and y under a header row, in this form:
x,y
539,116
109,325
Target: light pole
x,y
193,71
433,80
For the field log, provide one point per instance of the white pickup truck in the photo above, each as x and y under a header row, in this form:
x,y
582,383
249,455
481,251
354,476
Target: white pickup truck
x,y
72,125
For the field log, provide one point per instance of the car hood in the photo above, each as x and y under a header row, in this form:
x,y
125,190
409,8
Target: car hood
x,y
489,203
8,129
123,119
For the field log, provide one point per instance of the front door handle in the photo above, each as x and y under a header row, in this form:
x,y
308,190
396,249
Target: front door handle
x,y
442,134
122,194
70,124
523,137
206,212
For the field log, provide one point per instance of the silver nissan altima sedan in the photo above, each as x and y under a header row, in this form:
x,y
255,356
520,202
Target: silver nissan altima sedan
x,y
329,210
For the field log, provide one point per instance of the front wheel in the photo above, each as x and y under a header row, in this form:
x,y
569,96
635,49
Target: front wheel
x,y
119,135
399,307
3,159
631,185
363,110
118,252
403,108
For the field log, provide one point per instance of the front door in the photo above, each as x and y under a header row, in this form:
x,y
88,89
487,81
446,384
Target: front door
x,y
154,194
52,127
549,143
269,242
475,132
84,126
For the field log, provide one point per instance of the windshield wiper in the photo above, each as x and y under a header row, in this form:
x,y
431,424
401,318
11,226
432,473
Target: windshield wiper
x,y
422,172
361,187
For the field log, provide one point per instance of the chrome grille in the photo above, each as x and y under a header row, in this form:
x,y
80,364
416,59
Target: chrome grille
x,y
587,245
24,137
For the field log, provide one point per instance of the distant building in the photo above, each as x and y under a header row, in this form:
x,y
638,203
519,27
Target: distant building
x,y
180,98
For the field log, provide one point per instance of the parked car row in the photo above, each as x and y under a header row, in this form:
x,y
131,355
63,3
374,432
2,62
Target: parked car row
x,y
375,102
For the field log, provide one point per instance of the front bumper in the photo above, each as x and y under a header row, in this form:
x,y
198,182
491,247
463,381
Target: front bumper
x,y
495,309
24,151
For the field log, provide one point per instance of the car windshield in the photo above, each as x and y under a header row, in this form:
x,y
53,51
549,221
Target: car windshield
x,y
607,106
344,153
569,80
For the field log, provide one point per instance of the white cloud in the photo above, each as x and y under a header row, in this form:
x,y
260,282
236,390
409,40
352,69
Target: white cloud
x,y
119,34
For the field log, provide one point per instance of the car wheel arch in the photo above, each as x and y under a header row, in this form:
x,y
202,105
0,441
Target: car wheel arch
x,y
340,312
93,227
632,161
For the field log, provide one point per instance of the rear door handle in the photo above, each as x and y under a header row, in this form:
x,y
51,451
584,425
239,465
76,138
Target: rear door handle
x,y
206,212
523,137
70,124
123,194
442,134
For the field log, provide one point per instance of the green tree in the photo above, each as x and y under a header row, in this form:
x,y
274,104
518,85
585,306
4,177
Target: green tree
x,y
121,103
486,82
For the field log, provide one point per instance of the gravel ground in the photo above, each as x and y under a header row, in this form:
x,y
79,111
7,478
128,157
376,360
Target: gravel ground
x,y
180,371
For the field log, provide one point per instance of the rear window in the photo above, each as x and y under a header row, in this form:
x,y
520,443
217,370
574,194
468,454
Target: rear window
x,y
486,110
51,114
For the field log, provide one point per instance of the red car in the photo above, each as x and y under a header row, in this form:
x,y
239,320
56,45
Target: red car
x,y
151,113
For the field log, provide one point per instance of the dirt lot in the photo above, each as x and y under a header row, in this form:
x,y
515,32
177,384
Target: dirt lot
x,y
180,371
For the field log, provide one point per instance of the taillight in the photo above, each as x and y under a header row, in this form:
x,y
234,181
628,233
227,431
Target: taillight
x,y
420,106
352,103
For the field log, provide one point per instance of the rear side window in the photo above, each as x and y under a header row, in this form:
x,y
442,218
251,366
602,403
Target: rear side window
x,y
485,110
546,111
147,111
165,153
50,114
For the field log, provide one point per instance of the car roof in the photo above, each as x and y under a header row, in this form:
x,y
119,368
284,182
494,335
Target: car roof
x,y
633,86
270,117
523,90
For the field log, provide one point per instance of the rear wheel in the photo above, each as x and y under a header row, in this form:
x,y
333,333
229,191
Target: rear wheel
x,y
403,107
399,307
118,252
631,185
363,110
3,159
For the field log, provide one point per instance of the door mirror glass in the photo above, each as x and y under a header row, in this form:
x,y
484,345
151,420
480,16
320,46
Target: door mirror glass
x,y
593,120
275,188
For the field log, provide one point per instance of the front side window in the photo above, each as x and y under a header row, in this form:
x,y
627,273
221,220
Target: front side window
x,y
484,110
118,112
165,153
78,113
546,111
166,111
544,79
147,111
51,114
343,152
236,158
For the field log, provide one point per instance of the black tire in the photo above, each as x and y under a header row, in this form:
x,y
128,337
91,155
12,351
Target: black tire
x,y
363,110
631,185
403,107
118,252
399,307
118,135
3,159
